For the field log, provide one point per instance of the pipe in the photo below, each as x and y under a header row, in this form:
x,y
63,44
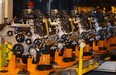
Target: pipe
x,y
1,11
6,9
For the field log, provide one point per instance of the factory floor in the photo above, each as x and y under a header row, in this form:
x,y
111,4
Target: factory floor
x,y
99,73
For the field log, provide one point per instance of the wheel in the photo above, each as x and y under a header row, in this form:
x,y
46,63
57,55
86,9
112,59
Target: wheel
x,y
10,33
28,41
20,38
29,34
18,49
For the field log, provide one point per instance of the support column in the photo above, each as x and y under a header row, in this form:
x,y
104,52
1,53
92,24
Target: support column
x,y
8,9
1,11
82,45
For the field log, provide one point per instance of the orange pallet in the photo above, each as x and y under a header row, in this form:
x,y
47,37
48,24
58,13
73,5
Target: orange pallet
x,y
99,47
59,59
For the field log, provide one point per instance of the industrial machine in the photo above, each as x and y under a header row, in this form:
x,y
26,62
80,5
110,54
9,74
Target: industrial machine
x,y
58,43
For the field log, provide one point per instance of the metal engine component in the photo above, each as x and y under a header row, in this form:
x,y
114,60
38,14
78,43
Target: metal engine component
x,y
20,38
18,49
40,38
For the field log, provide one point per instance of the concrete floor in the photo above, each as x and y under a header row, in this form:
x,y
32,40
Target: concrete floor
x,y
99,73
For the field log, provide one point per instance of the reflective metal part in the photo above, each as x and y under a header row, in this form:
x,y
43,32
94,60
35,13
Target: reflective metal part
x,y
20,38
33,52
60,46
37,41
40,28
28,41
29,34
10,33
18,49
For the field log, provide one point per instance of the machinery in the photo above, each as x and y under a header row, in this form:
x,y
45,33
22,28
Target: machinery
x,y
58,43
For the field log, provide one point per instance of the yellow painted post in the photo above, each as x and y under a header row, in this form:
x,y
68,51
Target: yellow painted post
x,y
5,53
9,47
80,61
2,56
82,45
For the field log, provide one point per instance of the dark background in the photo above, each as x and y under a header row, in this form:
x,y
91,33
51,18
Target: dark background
x,y
45,5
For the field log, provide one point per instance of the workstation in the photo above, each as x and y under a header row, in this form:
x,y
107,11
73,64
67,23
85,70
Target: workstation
x,y
57,37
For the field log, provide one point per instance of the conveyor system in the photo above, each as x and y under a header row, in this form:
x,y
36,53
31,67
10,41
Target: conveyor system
x,y
57,44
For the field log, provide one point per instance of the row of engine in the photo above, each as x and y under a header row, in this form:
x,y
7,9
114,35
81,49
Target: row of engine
x,y
55,38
